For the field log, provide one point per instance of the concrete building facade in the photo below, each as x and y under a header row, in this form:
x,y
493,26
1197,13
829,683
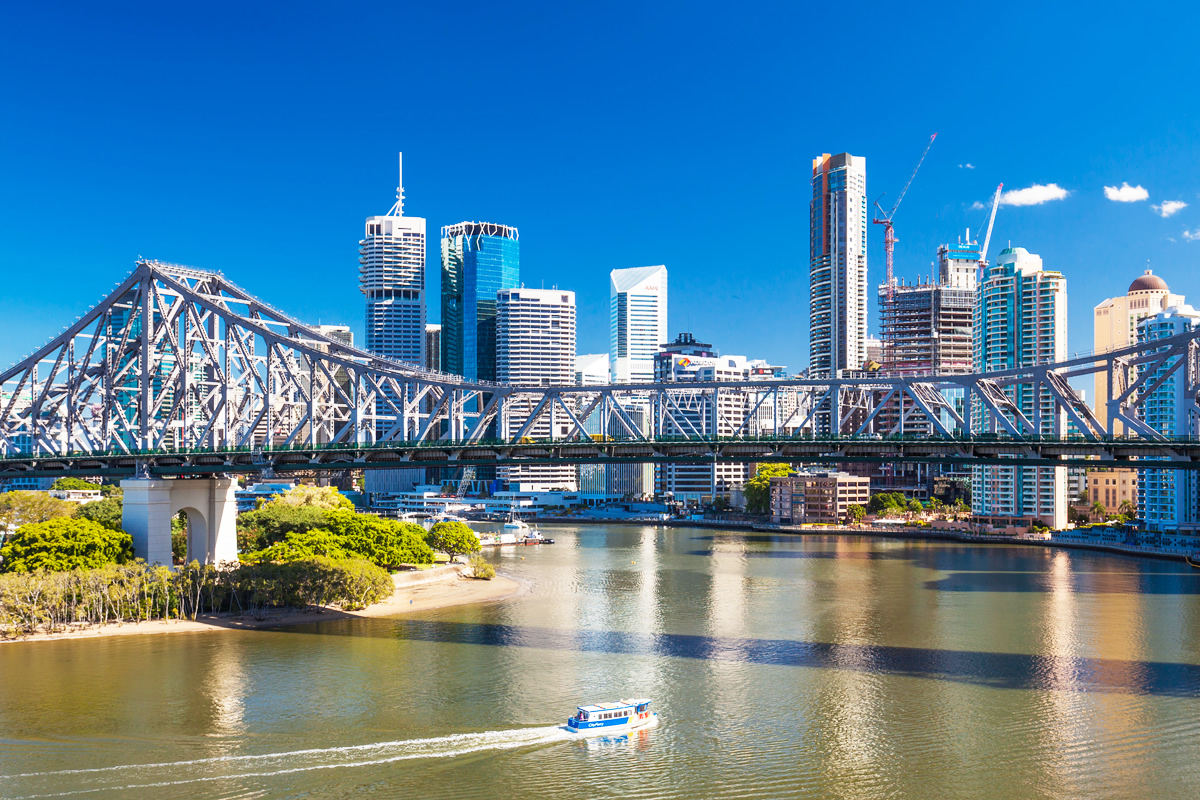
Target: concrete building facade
x,y
817,497
535,346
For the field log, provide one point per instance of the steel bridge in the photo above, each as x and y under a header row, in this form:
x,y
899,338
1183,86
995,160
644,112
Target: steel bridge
x,y
180,372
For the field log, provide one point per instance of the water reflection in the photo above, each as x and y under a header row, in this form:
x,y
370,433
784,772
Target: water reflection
x,y
998,670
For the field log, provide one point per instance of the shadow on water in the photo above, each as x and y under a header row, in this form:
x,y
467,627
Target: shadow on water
x,y
996,670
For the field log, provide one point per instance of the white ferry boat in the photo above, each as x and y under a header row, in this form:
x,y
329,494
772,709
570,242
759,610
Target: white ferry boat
x,y
612,718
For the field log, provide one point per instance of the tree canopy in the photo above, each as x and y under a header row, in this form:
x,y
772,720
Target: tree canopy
x,y
385,542
758,488
77,484
23,508
452,538
300,545
64,544
107,512
274,521
327,498
888,503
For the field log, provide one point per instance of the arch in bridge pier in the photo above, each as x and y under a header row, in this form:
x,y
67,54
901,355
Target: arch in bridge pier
x,y
211,508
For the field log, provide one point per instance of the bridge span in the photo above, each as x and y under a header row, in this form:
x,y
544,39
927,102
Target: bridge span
x,y
179,372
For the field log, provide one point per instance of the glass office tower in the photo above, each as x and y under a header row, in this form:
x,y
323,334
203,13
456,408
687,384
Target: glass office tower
x,y
479,259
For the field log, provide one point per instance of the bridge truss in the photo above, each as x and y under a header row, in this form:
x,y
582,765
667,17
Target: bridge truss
x,y
183,372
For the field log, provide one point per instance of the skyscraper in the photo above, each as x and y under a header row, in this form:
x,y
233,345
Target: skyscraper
x,y
1115,326
478,260
1021,321
637,321
837,266
535,346
392,276
1169,499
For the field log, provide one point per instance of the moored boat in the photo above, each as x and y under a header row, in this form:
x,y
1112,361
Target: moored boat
x,y
612,718
1193,562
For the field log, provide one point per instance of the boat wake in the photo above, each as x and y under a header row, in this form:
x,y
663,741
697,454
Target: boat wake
x,y
131,777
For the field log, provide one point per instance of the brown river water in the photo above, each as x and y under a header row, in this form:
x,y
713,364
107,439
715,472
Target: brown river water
x,y
781,666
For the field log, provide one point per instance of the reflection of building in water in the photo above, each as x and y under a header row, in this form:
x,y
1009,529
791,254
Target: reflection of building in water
x,y
225,686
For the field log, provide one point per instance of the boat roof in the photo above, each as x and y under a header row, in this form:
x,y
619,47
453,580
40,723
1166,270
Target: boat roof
x,y
613,706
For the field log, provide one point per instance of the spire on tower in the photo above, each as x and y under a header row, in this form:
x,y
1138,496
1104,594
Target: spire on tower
x,y
397,210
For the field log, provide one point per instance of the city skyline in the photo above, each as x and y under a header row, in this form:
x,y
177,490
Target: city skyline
x,y
663,187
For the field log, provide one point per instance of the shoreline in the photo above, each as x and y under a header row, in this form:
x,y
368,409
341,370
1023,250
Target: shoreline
x,y
414,591
930,534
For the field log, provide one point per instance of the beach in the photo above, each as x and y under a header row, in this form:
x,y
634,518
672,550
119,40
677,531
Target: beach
x,y
415,591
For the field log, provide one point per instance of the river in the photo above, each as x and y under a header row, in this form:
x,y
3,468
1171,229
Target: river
x,y
781,666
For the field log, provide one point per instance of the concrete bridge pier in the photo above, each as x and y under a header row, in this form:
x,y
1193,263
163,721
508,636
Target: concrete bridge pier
x,y
211,508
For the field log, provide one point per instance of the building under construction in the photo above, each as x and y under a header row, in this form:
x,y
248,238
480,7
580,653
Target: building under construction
x,y
926,328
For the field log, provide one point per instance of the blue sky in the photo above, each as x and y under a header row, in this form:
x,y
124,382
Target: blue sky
x,y
254,139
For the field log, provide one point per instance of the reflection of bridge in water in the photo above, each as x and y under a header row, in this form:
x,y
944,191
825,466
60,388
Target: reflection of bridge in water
x,y
179,372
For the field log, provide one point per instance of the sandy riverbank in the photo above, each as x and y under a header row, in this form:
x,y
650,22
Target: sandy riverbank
x,y
448,589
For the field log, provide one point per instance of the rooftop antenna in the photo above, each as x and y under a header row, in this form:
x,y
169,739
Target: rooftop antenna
x,y
398,208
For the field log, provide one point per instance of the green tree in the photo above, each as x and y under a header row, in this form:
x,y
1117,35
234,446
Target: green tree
x,y
327,498
75,484
758,488
107,512
1098,510
65,544
274,521
297,546
481,569
914,506
856,513
387,543
1127,509
112,490
23,508
452,538
887,503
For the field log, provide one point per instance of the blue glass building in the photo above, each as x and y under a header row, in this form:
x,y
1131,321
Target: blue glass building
x,y
479,259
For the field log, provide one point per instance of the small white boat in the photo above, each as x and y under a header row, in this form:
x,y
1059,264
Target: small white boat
x,y
604,719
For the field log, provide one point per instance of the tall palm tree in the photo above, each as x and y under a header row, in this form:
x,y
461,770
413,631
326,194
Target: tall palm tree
x,y
1098,510
1128,508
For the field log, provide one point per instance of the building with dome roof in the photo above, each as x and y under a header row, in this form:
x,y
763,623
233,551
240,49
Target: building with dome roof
x,y
1116,321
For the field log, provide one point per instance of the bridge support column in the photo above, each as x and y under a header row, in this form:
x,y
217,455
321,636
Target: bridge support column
x,y
211,508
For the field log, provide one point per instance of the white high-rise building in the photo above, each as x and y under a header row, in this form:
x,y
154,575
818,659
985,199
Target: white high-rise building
x,y
1021,321
535,346
392,276
637,322
837,266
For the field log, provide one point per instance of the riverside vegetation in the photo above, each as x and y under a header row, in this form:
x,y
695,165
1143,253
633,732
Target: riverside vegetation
x,y
305,549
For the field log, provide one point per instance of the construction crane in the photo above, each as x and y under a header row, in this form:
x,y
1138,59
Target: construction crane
x,y
991,221
885,219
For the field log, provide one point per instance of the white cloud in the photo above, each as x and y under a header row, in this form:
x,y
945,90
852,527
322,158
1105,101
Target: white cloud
x,y
1034,195
1192,236
968,165
1169,208
1126,194
976,206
